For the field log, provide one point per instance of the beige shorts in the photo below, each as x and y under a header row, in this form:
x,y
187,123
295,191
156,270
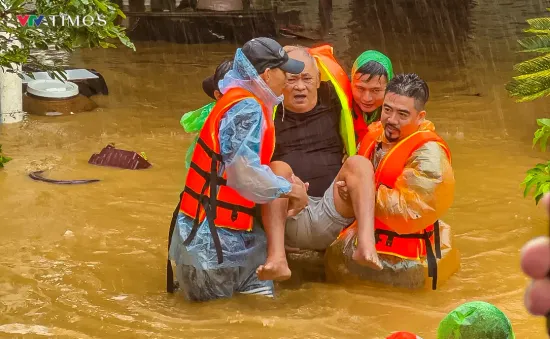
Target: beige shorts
x,y
317,225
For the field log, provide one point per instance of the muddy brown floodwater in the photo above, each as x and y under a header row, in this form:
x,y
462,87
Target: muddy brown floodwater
x,y
89,261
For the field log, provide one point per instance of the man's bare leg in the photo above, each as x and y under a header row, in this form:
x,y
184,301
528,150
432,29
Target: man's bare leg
x,y
274,216
358,174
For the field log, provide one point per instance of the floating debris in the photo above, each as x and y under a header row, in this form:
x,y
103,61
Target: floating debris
x,y
37,175
113,157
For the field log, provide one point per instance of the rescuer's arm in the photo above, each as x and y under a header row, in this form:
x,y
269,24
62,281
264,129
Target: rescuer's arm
x,y
422,193
240,142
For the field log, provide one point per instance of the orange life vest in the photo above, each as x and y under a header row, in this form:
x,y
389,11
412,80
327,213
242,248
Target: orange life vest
x,y
325,54
413,246
206,194
332,71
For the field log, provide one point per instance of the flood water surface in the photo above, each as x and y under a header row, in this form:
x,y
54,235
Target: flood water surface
x,y
89,261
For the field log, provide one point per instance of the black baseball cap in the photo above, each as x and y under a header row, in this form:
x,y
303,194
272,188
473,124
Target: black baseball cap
x,y
266,53
210,84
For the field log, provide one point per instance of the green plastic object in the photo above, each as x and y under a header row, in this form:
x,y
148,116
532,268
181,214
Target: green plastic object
x,y
192,122
373,56
475,320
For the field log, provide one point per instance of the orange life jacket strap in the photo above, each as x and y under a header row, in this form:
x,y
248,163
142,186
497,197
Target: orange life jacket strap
x,y
211,203
208,203
224,204
391,167
431,257
213,157
212,176
211,153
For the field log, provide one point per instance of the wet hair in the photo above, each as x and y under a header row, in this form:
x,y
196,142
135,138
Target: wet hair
x,y
373,69
412,86
220,72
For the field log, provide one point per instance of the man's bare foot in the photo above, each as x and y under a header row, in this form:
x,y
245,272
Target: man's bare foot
x,y
367,257
274,269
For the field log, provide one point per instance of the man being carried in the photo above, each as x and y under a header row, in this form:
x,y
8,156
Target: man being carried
x,y
217,244
309,144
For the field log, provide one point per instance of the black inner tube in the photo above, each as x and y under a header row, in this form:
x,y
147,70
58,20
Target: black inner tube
x,y
37,175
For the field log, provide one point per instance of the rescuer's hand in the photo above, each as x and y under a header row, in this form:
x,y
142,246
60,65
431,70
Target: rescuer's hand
x,y
297,198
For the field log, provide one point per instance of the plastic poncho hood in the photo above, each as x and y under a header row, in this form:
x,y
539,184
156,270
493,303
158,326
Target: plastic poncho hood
x,y
244,75
474,320
373,56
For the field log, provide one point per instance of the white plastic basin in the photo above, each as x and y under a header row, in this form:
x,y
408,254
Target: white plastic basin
x,y
52,89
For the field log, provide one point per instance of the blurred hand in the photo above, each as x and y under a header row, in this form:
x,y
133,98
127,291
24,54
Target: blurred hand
x,y
342,190
345,158
298,198
535,262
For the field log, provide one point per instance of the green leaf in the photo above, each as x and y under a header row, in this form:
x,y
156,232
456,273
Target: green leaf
x,y
16,4
126,42
101,5
544,141
539,23
543,122
121,13
537,198
530,86
106,44
537,31
3,159
539,43
528,186
535,65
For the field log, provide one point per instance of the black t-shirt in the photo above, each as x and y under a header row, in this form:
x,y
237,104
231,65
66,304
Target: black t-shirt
x,y
310,142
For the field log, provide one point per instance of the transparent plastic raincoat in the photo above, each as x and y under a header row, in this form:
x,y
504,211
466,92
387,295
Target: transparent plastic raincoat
x,y
240,132
422,194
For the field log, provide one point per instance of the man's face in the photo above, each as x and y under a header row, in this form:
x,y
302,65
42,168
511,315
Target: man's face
x,y
368,95
275,78
301,89
399,117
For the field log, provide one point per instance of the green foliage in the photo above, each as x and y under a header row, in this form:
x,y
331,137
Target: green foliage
x,y
538,178
3,159
59,37
533,81
542,134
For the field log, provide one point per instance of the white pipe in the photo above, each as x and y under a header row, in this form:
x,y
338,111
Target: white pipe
x,y
11,95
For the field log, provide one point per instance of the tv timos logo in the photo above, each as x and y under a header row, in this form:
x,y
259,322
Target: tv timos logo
x,y
32,20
